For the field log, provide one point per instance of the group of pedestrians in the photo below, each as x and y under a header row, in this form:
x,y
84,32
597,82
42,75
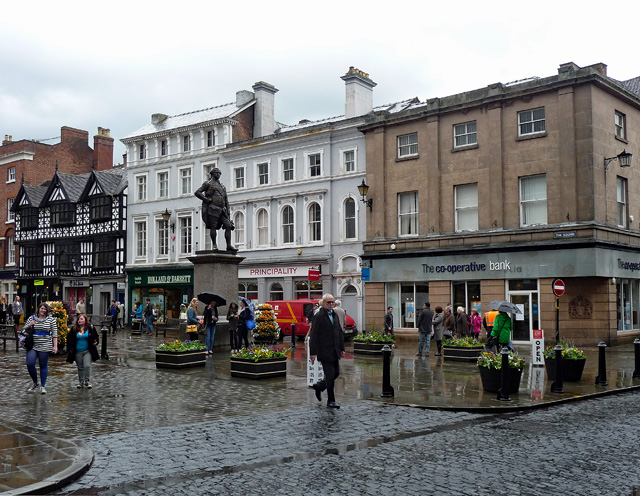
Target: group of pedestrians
x,y
144,315
237,316
41,341
444,324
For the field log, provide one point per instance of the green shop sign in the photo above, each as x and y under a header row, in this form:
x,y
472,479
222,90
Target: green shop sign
x,y
181,279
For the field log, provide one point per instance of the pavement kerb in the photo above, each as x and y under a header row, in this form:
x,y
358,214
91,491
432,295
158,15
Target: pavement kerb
x,y
512,409
81,462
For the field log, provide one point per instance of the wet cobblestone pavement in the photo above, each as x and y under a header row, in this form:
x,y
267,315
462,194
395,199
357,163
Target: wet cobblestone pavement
x,y
200,431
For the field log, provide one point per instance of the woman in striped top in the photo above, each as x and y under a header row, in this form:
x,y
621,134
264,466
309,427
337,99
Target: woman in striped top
x,y
45,341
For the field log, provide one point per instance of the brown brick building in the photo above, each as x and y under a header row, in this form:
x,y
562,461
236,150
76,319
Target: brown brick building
x,y
493,193
34,162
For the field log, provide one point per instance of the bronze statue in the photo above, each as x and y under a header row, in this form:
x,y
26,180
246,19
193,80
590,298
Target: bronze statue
x,y
215,208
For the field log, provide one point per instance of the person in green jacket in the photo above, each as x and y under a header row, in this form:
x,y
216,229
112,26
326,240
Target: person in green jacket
x,y
502,327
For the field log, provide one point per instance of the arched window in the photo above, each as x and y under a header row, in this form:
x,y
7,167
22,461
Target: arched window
x,y
315,222
263,227
248,290
349,219
238,222
287,225
276,292
305,291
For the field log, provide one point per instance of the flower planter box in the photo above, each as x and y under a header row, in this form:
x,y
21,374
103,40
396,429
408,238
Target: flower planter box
x,y
262,369
264,340
375,349
571,369
462,353
492,379
180,359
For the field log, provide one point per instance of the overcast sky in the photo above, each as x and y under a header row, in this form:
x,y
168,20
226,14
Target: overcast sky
x,y
113,63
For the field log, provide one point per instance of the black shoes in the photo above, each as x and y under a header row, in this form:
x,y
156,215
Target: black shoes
x,y
333,404
318,391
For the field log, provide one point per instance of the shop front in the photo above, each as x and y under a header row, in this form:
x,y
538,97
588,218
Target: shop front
x,y
167,289
282,282
593,276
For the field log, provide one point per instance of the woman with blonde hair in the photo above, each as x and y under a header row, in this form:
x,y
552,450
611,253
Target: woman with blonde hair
x,y
192,320
3,309
82,343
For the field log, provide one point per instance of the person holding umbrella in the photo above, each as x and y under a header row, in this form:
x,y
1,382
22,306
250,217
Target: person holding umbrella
x,y
210,319
210,316
244,316
502,325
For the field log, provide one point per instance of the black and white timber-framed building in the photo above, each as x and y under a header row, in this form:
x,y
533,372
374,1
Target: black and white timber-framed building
x,y
71,235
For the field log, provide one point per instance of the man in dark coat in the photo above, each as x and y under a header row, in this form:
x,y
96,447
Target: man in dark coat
x,y
425,329
326,343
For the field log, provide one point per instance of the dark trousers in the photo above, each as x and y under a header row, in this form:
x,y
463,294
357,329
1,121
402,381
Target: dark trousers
x,y
331,370
114,324
234,340
243,335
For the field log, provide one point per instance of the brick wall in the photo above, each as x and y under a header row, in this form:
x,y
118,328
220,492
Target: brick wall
x,y
375,307
244,129
73,155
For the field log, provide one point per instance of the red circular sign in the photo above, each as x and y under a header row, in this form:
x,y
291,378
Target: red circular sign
x,y
558,287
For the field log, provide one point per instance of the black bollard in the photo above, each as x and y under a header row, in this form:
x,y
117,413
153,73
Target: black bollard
x,y
293,335
105,332
387,389
636,347
503,392
601,378
557,386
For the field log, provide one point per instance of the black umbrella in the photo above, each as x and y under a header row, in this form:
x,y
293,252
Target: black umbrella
x,y
503,306
207,297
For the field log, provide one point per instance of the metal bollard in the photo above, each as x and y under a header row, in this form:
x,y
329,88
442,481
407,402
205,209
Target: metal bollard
x,y
387,389
105,332
503,392
601,378
636,346
557,386
293,335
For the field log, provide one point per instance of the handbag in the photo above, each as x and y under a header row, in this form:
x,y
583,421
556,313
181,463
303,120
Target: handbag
x,y
251,324
25,338
192,328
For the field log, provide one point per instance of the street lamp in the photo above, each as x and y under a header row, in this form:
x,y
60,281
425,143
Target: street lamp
x,y
364,189
166,216
624,158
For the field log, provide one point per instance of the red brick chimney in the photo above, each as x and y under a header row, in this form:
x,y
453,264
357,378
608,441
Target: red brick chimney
x,y
68,134
103,150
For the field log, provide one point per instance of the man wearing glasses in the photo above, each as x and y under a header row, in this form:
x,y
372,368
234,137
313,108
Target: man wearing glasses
x,y
326,343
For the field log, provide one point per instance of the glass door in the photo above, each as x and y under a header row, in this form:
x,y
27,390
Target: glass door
x,y
522,323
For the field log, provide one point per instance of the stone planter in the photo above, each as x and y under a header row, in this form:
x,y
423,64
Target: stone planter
x,y
180,359
268,340
462,353
375,349
492,379
263,369
571,369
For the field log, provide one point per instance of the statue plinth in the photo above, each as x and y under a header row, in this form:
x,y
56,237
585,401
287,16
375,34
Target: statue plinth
x,y
217,271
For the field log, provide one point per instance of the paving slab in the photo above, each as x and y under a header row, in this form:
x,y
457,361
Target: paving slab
x,y
138,409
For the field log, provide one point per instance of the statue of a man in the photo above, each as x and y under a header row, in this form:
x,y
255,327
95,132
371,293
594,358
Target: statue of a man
x,y
215,208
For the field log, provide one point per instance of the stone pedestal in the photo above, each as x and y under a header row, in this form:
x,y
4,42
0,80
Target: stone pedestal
x,y
217,271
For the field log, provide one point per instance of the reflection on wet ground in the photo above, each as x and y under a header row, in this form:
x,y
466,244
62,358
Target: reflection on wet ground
x,y
129,394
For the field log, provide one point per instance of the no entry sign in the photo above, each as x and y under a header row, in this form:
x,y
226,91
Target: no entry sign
x,y
558,287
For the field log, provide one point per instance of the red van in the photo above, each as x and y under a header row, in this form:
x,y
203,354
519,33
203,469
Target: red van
x,y
295,312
